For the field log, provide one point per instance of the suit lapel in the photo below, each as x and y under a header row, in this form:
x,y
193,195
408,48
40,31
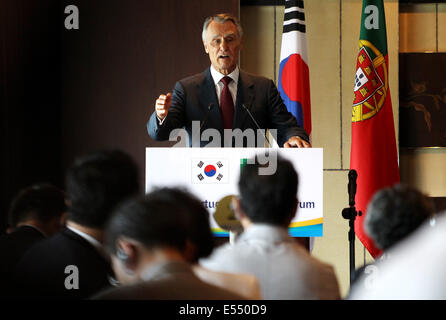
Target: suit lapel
x,y
207,96
245,95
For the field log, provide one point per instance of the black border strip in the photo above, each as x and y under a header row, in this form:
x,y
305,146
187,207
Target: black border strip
x,y
262,3
282,2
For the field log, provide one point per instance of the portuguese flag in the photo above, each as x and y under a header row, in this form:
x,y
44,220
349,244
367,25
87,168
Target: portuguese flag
x,y
373,146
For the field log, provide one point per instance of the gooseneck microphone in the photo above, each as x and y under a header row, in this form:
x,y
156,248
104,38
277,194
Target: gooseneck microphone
x,y
207,115
255,122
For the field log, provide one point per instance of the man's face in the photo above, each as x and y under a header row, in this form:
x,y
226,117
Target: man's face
x,y
223,45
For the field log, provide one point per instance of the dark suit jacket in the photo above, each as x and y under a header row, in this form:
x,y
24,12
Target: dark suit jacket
x,y
12,248
41,271
192,97
169,281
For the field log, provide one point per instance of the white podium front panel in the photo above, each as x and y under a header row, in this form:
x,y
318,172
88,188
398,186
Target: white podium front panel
x,y
212,173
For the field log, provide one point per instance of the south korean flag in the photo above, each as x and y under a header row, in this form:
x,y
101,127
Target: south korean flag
x,y
210,171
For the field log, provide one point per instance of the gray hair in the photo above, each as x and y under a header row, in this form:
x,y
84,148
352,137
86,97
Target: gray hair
x,y
394,213
221,18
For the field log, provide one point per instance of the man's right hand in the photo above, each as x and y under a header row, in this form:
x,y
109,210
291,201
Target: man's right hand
x,y
162,105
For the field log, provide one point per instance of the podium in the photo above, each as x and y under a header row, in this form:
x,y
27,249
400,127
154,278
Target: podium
x,y
212,173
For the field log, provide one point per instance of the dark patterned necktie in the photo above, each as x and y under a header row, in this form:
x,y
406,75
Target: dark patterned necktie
x,y
226,104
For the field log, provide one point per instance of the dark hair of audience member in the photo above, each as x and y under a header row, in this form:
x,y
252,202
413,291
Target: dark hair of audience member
x,y
200,239
393,213
262,195
40,201
96,183
162,218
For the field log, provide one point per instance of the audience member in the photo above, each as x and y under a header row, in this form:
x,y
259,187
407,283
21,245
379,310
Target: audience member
x,y
285,270
415,269
393,214
147,240
36,212
71,264
40,206
200,241
243,284
200,244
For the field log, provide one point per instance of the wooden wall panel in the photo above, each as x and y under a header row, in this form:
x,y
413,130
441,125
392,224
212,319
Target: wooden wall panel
x,y
29,97
124,56
68,92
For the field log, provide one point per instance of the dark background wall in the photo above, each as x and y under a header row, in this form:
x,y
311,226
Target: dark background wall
x,y
64,93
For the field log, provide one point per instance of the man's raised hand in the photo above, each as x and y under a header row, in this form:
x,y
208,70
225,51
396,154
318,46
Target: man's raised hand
x,y
162,105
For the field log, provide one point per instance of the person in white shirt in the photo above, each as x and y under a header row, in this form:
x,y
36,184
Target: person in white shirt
x,y
415,269
285,270
393,214
400,221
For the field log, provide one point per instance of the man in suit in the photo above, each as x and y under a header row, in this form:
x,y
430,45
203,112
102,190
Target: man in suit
x,y
147,239
72,264
285,270
36,212
224,98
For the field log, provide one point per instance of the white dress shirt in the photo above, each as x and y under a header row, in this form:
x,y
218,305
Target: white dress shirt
x,y
414,271
95,243
285,270
232,86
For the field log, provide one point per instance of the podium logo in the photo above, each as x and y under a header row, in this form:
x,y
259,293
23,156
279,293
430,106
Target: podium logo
x,y
210,171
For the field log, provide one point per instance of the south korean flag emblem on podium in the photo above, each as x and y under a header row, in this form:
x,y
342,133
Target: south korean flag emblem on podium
x,y
209,171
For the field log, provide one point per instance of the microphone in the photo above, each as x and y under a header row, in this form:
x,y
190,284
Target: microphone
x,y
207,114
352,176
255,122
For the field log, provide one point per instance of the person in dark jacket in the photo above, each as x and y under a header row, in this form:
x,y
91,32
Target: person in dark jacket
x,y
72,264
37,212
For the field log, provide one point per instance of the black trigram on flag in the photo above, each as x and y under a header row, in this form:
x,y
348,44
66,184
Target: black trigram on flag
x,y
294,17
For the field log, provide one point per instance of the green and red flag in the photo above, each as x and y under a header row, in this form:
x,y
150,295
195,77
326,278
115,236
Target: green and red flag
x,y
373,147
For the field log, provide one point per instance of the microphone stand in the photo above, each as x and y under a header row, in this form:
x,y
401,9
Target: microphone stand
x,y
350,214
